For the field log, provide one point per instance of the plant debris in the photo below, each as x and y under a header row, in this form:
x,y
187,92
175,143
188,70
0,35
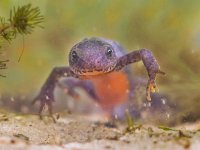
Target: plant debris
x,y
167,128
131,127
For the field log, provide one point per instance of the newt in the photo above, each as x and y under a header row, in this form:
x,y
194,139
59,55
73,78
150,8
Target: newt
x,y
98,66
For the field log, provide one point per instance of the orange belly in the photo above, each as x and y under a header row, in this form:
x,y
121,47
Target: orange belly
x,y
112,89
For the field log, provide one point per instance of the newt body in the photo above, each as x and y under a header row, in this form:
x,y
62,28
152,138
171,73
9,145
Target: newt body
x,y
100,66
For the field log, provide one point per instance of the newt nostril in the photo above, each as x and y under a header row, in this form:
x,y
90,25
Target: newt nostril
x,y
98,62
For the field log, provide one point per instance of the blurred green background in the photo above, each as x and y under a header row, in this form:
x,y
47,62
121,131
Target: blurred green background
x,y
170,28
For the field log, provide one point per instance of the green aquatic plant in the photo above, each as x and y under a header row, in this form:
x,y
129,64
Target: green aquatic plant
x,y
22,20
167,128
131,126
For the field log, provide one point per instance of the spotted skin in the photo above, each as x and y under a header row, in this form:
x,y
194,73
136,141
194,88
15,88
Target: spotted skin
x,y
102,62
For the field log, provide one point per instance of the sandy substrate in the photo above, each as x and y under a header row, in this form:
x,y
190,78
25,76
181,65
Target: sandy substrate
x,y
78,133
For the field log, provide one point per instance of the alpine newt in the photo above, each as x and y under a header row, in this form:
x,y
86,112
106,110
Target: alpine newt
x,y
99,66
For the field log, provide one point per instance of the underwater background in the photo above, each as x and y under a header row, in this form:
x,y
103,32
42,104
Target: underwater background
x,y
170,28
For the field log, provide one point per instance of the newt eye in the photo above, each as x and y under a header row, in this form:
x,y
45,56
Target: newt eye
x,y
74,56
109,52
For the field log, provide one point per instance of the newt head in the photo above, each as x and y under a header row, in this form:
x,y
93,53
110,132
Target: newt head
x,y
92,57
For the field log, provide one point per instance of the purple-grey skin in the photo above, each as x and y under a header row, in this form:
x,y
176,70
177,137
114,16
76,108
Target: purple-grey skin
x,y
94,57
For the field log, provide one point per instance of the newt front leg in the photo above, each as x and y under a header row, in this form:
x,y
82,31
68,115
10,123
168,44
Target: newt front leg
x,y
46,96
150,63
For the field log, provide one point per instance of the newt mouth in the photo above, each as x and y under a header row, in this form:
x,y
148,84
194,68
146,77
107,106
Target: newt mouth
x,y
92,72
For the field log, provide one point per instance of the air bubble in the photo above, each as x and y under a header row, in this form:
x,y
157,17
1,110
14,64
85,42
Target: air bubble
x,y
12,99
168,115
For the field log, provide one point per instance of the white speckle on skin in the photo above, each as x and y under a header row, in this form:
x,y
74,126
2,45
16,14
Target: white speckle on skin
x,y
96,105
163,101
149,104
47,97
